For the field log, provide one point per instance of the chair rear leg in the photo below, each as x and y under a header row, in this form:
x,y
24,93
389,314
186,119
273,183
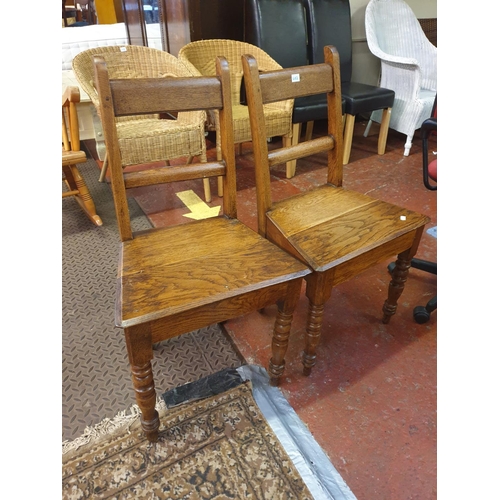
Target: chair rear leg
x,y
348,131
292,165
104,169
368,127
397,285
384,130
309,131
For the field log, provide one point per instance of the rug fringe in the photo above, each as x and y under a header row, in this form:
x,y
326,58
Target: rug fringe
x,y
108,426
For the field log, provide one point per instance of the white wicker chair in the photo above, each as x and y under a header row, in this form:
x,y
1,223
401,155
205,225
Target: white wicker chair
x,y
408,64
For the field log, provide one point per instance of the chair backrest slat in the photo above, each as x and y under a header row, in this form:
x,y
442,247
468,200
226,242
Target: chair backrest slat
x,y
289,83
163,175
165,94
296,82
139,96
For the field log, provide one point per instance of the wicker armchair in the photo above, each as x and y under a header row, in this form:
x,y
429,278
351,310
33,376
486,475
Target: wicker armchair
x,y
151,138
199,57
408,64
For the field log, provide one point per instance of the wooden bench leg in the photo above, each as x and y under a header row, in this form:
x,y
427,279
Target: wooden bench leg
x,y
384,130
348,131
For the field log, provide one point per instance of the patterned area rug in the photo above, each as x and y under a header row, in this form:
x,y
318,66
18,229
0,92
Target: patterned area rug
x,y
218,448
96,382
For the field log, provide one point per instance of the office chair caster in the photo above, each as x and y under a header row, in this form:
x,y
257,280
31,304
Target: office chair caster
x,y
422,314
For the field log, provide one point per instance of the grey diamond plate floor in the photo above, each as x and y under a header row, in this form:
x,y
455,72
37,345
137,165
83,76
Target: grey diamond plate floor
x,y
96,381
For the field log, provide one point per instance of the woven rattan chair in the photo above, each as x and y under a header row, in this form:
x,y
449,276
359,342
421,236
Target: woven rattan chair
x,y
408,64
200,57
72,155
146,139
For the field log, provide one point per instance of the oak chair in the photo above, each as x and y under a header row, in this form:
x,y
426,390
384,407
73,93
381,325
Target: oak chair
x,y
72,155
175,279
151,138
337,232
199,57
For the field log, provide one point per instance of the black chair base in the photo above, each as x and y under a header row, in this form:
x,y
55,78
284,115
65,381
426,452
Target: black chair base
x,y
422,314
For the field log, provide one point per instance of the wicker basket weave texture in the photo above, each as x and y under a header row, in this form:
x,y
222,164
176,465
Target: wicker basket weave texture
x,y
145,138
408,63
199,57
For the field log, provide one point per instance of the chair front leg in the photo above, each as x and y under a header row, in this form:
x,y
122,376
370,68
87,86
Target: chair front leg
x,y
140,354
384,130
348,132
281,332
318,291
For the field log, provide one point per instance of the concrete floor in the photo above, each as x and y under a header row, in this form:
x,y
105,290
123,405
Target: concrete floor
x,y
370,401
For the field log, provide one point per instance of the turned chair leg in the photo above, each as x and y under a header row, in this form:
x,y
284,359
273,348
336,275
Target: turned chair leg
x,y
396,286
313,333
140,354
281,332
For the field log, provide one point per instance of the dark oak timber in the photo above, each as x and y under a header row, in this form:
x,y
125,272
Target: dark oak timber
x,y
175,279
337,232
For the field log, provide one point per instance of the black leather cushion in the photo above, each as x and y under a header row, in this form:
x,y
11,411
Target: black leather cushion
x,y
362,98
279,28
311,108
329,23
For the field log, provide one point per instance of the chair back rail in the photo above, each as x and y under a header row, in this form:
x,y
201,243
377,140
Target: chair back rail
x,y
287,83
126,97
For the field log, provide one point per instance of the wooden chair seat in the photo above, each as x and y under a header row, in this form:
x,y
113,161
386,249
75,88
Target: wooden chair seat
x,y
329,226
176,279
154,288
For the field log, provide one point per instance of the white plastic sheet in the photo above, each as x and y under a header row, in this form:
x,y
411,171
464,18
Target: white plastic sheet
x,y
321,477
